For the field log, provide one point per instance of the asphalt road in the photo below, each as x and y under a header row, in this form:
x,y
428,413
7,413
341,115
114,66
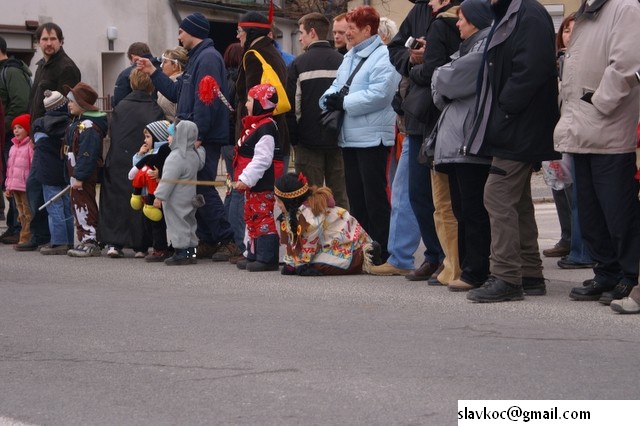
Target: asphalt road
x,y
121,342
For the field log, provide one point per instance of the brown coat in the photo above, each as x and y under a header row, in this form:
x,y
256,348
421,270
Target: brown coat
x,y
249,75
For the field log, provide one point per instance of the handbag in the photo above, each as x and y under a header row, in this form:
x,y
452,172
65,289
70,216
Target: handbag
x,y
269,76
331,121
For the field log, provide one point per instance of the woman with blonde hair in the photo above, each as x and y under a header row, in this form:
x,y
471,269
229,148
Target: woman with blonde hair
x,y
173,63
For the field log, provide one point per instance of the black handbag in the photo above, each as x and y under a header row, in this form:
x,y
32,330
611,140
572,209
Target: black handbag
x,y
331,121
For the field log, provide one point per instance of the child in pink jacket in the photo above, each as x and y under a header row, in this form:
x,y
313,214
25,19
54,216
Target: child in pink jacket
x,y
18,167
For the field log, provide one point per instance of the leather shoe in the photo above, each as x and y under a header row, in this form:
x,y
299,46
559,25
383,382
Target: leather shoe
x,y
590,290
566,263
496,290
460,285
424,272
388,269
626,306
619,291
28,246
558,250
534,286
9,238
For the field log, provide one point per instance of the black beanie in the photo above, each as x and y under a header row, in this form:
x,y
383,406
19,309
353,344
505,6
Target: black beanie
x,y
478,12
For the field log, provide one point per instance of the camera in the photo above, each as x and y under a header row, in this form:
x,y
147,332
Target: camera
x,y
413,43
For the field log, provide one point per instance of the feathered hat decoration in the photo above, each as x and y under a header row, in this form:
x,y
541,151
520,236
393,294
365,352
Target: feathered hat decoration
x,y
209,90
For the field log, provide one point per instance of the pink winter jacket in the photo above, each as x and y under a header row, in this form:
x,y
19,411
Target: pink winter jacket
x,y
19,164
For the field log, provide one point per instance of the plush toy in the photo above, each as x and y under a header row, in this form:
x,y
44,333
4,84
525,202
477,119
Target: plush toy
x,y
139,174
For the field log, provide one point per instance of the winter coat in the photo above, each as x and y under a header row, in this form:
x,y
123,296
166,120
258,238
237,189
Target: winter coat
x,y
443,40
183,162
84,139
212,120
518,101
249,75
19,164
168,107
454,92
48,135
602,58
120,225
15,88
52,75
308,77
369,118
416,25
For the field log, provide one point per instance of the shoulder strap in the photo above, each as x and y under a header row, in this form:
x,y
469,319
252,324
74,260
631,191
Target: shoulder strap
x,y
347,84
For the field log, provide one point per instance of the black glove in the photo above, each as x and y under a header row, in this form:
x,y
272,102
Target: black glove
x,y
335,102
307,271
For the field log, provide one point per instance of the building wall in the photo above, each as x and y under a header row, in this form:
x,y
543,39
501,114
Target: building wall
x,y
84,24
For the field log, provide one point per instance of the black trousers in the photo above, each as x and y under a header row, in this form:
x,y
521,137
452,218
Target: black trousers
x,y
474,229
365,171
609,214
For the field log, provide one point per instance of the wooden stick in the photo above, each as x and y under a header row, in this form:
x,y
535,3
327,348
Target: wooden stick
x,y
193,182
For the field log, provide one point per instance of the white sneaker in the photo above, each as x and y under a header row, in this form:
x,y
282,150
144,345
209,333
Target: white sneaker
x,y
625,306
114,253
140,255
85,250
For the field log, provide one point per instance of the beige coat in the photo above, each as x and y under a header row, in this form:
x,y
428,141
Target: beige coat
x,y
602,58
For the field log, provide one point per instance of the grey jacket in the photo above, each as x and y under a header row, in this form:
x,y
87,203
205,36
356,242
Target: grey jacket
x,y
454,92
602,58
183,163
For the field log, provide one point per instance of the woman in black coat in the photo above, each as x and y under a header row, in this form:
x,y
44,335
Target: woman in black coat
x,y
120,225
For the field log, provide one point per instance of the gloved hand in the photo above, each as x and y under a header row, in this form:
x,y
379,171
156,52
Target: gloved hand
x,y
335,102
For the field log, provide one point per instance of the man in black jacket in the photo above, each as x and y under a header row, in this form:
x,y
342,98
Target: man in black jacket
x,y
309,76
55,71
517,110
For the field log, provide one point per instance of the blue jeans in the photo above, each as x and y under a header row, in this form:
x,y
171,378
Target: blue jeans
x,y
236,218
579,252
39,223
422,201
60,216
213,226
404,234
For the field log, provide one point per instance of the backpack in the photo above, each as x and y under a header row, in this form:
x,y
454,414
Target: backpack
x,y
270,76
14,63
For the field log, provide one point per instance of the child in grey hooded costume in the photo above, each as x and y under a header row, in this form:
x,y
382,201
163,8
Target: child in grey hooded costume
x,y
183,163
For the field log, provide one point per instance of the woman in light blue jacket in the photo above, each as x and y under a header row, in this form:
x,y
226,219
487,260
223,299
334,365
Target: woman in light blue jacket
x,y
368,129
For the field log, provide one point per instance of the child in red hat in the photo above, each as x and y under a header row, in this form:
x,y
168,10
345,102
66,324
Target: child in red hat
x,y
256,165
18,167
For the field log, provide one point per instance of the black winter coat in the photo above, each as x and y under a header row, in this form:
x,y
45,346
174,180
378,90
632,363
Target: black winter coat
x,y
52,75
120,225
48,134
309,76
521,72
443,40
416,24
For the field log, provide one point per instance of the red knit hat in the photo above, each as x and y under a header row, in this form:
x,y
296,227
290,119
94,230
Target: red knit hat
x,y
23,121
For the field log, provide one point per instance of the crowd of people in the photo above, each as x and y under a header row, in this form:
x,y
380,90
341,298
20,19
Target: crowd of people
x,y
456,108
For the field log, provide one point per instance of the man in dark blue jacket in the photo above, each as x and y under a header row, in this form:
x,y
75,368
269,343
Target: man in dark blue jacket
x,y
214,231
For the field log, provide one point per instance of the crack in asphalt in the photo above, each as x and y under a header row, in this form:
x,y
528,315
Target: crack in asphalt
x,y
497,334
255,373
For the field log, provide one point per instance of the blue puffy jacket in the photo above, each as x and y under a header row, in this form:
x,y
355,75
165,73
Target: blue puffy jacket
x,y
369,118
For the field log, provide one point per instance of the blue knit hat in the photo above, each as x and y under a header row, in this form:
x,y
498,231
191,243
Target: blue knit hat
x,y
196,25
